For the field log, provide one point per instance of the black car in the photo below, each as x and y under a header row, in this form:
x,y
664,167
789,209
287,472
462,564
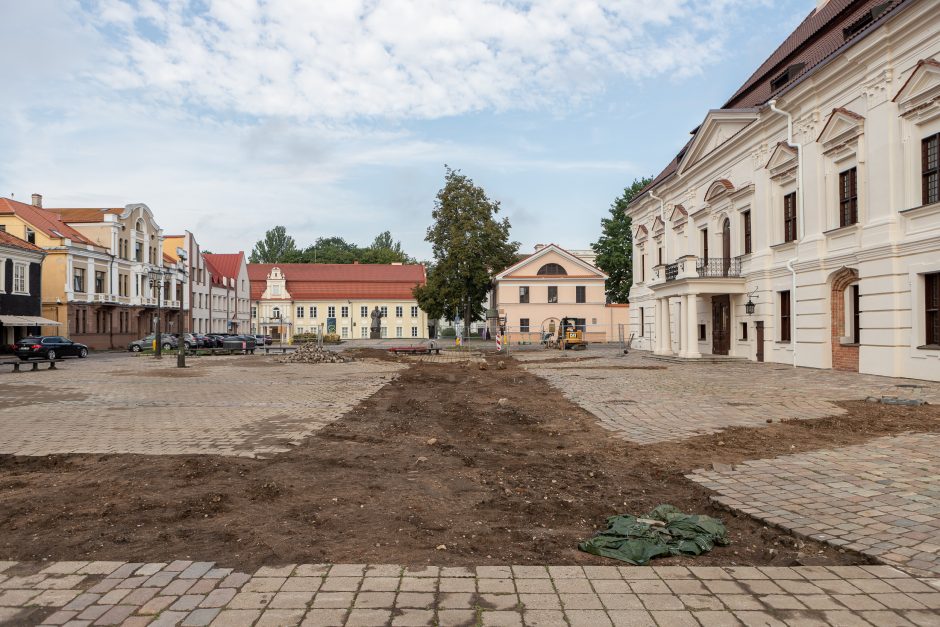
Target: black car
x,y
49,347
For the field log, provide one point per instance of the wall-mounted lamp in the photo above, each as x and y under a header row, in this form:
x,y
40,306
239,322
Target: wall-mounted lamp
x,y
749,306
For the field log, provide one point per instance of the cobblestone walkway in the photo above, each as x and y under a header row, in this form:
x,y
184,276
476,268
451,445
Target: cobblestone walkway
x,y
201,593
881,498
678,401
245,405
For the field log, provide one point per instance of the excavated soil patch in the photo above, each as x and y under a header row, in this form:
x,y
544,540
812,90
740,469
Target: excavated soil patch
x,y
434,458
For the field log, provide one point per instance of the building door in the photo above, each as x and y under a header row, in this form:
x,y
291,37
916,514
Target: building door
x,y
726,247
759,327
721,324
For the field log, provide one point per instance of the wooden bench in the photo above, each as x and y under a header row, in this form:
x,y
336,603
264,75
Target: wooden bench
x,y
35,362
415,350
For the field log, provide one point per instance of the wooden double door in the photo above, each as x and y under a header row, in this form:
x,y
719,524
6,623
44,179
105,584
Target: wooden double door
x,y
721,324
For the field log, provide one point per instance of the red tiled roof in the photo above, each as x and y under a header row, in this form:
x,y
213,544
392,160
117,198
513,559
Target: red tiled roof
x,y
83,215
224,265
815,39
11,240
337,281
42,219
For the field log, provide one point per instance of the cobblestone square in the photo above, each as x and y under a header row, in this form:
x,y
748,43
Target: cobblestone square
x,y
238,405
645,401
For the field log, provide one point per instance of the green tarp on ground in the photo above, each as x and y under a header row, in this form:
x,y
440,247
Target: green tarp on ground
x,y
638,540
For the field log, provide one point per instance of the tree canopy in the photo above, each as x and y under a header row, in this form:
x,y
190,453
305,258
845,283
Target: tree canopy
x,y
469,245
278,247
614,248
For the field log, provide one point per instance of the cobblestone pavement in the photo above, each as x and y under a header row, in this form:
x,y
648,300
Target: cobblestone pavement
x,y
677,401
202,593
240,405
881,498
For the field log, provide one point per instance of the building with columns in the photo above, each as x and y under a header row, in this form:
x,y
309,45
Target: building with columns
x,y
801,222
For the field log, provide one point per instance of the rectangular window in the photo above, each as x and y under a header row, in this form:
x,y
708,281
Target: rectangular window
x,y
331,311
344,311
363,331
313,312
580,294
932,308
384,310
30,235
856,316
930,169
659,255
747,231
300,312
254,312
743,330
414,311
785,321
702,333
414,331
345,332
78,280
642,268
364,311
523,294
383,332
99,282
789,217
848,197
399,311
552,294
704,243
398,332
19,279
524,325
642,322
139,251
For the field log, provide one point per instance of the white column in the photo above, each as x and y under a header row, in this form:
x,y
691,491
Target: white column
x,y
657,327
667,327
692,328
683,326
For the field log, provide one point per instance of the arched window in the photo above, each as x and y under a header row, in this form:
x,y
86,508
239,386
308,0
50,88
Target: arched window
x,y
551,268
140,226
276,312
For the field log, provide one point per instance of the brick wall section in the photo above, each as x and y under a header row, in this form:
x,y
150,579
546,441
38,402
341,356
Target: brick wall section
x,y
843,357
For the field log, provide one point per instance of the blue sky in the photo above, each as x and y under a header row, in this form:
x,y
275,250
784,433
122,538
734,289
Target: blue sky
x,y
336,118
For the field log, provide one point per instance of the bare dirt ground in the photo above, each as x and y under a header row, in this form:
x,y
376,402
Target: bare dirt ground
x,y
432,460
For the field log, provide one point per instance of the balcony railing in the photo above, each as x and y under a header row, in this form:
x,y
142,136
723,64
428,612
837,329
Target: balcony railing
x,y
705,268
718,267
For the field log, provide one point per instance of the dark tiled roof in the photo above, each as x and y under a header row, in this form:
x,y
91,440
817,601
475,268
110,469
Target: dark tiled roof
x,y
11,240
43,220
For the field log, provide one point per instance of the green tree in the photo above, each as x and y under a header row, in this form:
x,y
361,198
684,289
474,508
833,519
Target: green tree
x,y
330,250
614,249
469,244
384,249
276,247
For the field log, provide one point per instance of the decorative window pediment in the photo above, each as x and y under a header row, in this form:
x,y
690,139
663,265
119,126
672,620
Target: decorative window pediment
x,y
641,233
842,127
718,189
678,216
782,159
719,126
921,90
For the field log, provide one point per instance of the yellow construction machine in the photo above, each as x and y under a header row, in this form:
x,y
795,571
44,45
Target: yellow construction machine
x,y
570,335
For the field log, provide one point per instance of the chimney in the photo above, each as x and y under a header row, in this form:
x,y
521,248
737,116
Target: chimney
x,y
37,200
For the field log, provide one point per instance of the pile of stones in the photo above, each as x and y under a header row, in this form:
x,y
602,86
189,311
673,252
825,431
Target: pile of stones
x,y
312,354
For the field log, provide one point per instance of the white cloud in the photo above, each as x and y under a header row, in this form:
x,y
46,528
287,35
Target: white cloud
x,y
402,58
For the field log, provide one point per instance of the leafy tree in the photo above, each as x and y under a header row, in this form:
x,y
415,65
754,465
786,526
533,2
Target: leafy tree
x,y
329,250
384,249
276,247
614,249
469,244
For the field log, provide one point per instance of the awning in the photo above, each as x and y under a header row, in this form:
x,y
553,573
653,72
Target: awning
x,y
28,321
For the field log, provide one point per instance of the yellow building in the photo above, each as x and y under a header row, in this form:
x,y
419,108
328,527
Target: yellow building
x,y
289,299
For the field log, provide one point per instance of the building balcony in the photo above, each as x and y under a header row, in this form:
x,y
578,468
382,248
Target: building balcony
x,y
705,268
691,274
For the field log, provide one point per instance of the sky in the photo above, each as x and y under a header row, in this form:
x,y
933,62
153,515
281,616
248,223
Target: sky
x,y
337,117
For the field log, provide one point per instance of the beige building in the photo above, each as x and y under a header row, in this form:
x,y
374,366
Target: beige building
x,y
196,303
533,296
801,223
229,293
291,299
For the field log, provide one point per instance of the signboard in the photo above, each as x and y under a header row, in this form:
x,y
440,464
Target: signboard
x,y
331,325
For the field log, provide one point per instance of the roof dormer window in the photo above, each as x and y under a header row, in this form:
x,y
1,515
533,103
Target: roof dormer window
x,y
866,18
786,76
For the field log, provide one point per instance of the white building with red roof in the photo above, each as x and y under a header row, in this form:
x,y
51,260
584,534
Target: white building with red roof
x,y
801,222
229,293
291,298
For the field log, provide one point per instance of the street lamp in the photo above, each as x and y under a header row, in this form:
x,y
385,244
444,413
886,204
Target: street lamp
x,y
181,348
156,280
749,306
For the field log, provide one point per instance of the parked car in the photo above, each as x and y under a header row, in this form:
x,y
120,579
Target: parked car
x,y
189,340
216,340
167,342
244,343
203,341
49,347
263,340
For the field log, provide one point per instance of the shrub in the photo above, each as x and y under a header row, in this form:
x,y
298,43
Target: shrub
x,y
303,338
449,332
331,338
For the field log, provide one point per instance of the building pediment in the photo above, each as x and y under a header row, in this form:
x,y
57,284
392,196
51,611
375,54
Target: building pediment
x,y
550,255
658,225
781,159
921,89
641,233
719,126
841,127
718,189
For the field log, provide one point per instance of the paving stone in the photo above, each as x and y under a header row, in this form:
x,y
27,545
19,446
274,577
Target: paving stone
x,y
280,618
251,600
99,568
291,600
218,598
116,615
379,584
235,580
368,618
621,601
57,598
303,584
236,618
455,600
501,618
456,618
374,599
588,618
196,570
332,600
544,618
453,584
540,601
413,618
265,584
276,571
200,617
59,618
416,584
631,618
149,569
415,600
325,618
63,568
168,619
311,570
505,585
187,602
576,601
340,584
157,605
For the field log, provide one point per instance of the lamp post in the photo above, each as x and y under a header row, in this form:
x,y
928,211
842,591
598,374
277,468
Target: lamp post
x,y
749,306
156,280
181,348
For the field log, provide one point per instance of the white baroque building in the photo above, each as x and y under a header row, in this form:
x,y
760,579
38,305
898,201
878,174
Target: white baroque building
x,y
812,194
